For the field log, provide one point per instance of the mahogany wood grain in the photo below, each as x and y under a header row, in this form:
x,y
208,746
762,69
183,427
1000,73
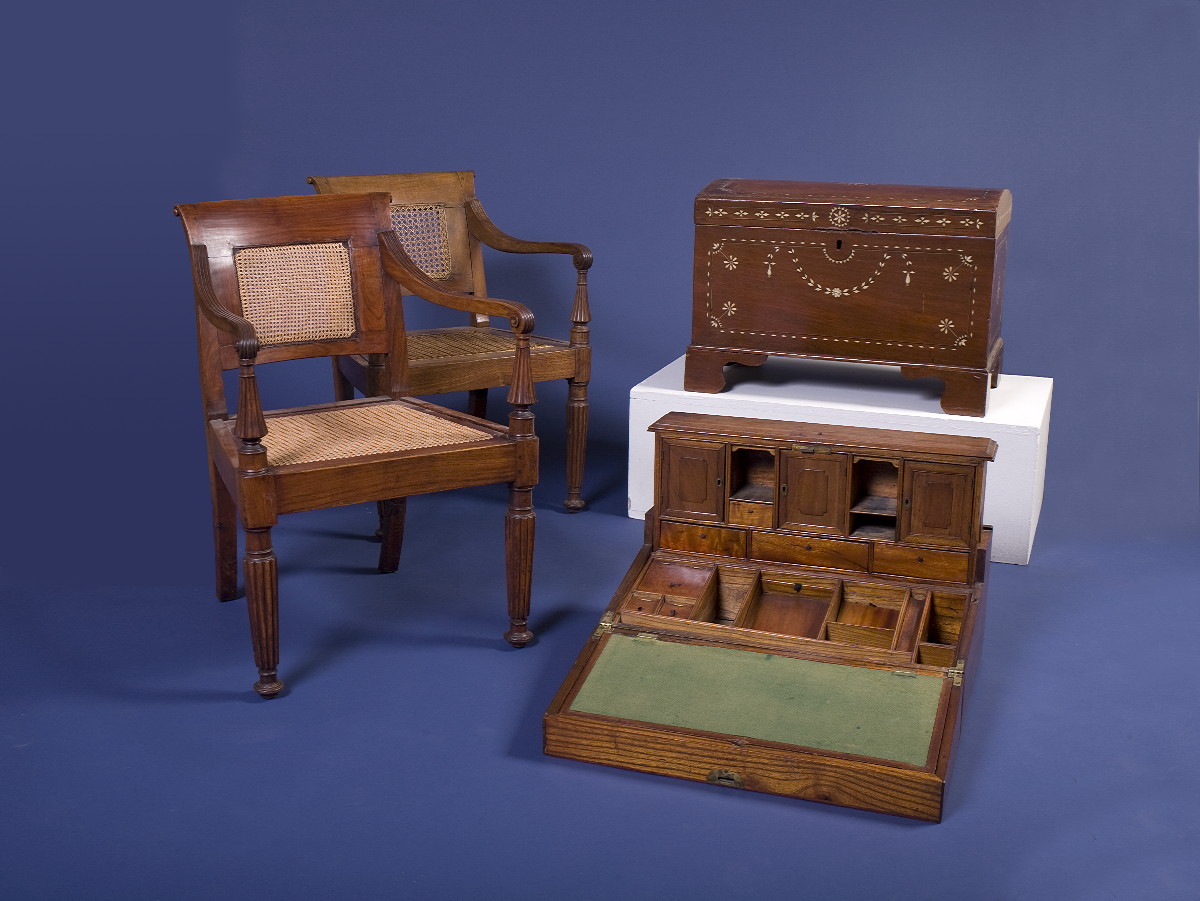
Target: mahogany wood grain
x,y
703,539
810,551
680,580
788,614
923,563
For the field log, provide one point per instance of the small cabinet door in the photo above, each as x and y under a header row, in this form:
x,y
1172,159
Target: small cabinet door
x,y
692,480
938,504
812,491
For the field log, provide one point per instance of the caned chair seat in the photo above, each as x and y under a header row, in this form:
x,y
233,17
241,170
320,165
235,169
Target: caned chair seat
x,y
360,430
468,341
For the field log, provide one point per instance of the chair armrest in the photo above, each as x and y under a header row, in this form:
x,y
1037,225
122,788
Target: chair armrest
x,y
400,267
483,229
246,339
251,425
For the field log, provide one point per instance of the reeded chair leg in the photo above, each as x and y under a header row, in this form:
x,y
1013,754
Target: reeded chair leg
x,y
477,399
225,528
577,427
518,563
262,602
391,533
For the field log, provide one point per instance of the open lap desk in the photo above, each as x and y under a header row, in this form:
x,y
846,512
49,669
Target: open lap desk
x,y
801,620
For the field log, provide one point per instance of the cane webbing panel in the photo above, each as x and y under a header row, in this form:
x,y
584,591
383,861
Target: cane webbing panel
x,y
345,432
462,343
297,292
422,231
852,710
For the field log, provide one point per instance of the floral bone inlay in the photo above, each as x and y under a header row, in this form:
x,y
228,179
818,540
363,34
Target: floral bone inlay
x,y
837,291
840,216
720,312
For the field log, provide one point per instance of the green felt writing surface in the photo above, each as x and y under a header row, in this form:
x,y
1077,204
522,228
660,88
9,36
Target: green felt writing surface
x,y
852,710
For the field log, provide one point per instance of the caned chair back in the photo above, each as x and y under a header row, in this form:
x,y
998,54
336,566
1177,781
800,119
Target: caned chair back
x,y
427,212
304,271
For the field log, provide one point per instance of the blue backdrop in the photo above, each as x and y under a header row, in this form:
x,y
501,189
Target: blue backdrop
x,y
406,760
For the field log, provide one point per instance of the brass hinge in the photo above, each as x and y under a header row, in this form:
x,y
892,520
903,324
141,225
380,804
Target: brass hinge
x,y
956,673
813,448
605,626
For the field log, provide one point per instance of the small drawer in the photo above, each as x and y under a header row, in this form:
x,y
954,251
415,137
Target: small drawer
x,y
642,602
920,563
677,536
808,551
751,513
676,609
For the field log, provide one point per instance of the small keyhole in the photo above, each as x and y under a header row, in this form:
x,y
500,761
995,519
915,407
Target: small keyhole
x,y
839,244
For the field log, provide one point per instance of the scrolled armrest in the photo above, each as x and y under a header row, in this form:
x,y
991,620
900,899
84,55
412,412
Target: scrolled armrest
x,y
250,425
245,337
483,229
399,266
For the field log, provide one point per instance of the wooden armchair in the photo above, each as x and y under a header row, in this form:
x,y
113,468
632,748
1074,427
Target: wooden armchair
x,y
442,224
283,278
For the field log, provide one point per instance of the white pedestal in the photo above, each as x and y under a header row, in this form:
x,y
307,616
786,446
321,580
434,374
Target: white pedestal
x,y
878,397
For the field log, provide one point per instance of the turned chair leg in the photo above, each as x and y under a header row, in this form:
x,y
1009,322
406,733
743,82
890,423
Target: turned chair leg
x,y
577,426
225,529
518,563
391,533
477,399
262,602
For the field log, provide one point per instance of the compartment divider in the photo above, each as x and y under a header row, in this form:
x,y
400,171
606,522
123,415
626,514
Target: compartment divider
x,y
835,605
912,618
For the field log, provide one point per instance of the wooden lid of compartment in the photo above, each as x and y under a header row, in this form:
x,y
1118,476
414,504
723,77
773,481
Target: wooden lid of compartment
x,y
908,209
862,440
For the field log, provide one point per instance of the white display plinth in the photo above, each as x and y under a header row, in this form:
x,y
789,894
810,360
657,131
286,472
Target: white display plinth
x,y
871,396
